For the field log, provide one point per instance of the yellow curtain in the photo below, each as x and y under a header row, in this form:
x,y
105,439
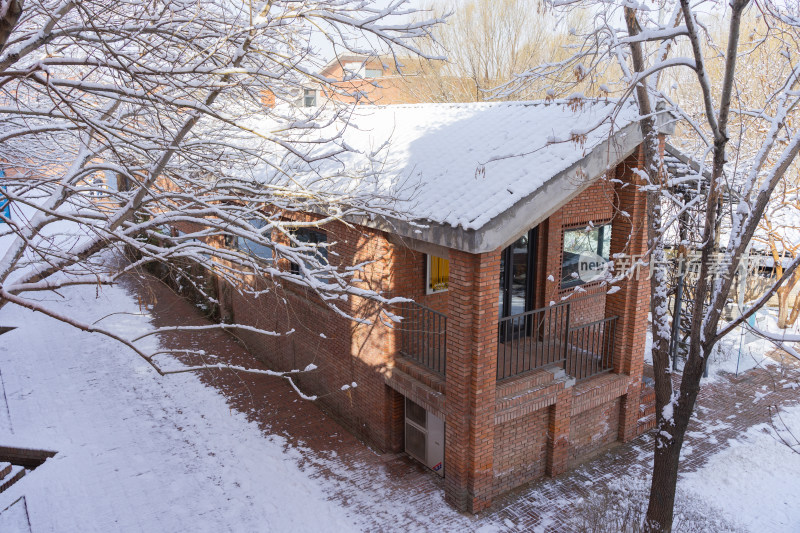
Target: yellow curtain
x,y
440,273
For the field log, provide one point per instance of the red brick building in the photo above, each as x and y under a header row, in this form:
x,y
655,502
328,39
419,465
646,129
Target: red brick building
x,y
362,79
517,358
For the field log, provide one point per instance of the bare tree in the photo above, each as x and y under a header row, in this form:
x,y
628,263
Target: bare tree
x,y
779,232
139,126
486,42
747,151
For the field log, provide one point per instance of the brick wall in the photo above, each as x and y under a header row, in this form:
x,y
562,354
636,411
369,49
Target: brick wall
x,y
343,351
520,450
471,379
594,205
631,302
592,430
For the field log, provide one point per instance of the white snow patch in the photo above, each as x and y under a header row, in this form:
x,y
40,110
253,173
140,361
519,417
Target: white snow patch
x,y
755,480
139,452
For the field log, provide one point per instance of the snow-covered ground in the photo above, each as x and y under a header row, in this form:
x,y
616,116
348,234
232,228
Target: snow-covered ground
x,y
756,479
141,453
137,452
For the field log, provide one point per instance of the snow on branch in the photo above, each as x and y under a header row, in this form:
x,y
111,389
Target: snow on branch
x,y
173,134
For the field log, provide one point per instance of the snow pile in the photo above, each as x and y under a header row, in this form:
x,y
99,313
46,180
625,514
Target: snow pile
x,y
623,505
738,352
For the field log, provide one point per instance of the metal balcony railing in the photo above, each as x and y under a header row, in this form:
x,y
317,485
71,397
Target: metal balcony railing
x,y
526,341
423,335
544,337
531,340
590,349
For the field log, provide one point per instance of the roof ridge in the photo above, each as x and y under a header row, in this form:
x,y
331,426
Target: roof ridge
x,y
499,103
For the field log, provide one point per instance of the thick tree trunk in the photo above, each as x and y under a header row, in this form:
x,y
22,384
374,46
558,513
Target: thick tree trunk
x,y
788,307
662,492
795,311
660,509
10,11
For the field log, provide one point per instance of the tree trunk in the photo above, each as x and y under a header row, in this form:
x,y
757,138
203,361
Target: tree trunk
x,y
669,442
662,491
783,308
9,16
795,311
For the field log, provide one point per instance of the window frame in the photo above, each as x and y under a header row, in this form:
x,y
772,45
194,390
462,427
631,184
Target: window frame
x,y
428,263
238,241
565,284
531,274
309,93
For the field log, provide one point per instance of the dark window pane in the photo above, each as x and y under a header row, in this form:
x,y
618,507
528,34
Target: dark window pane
x,y
252,247
519,274
311,236
415,442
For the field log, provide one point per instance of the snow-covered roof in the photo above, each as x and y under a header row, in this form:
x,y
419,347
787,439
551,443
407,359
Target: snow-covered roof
x,y
467,166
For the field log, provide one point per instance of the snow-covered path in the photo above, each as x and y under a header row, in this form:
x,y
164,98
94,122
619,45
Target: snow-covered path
x,y
140,453
137,452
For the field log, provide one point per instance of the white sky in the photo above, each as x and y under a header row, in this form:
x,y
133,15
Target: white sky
x,y
322,43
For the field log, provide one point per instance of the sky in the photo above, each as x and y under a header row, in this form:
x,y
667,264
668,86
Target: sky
x,y
326,48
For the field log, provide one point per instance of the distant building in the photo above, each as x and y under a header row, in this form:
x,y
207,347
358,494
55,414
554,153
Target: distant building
x,y
358,78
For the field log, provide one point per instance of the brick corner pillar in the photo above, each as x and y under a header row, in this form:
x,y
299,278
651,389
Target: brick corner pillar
x,y
558,433
471,379
631,303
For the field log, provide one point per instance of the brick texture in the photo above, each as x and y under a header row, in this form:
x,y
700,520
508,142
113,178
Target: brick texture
x,y
631,302
471,379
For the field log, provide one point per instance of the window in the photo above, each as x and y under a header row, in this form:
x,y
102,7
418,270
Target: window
x,y
123,183
252,247
585,256
438,274
359,70
309,97
518,274
314,237
353,70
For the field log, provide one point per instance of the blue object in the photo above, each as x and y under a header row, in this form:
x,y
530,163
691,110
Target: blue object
x,y
5,205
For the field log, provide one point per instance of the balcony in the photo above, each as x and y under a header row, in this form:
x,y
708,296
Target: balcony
x,y
526,341
544,337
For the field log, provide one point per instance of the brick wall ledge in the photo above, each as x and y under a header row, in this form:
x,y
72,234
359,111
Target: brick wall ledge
x,y
26,457
420,373
529,380
599,390
416,391
523,403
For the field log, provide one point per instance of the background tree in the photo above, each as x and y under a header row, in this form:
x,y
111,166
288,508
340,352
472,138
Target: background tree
x,y
486,42
640,43
139,126
779,233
